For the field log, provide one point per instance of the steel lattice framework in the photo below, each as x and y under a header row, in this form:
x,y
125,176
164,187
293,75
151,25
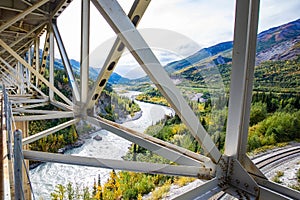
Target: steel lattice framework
x,y
21,26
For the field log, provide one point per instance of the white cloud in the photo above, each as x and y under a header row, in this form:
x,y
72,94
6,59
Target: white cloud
x,y
205,22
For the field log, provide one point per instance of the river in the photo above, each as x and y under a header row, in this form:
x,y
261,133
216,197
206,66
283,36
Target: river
x,y
46,176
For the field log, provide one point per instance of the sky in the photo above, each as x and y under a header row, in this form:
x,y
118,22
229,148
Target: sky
x,y
173,29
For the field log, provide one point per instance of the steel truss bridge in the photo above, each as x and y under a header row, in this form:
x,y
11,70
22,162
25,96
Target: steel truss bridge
x,y
22,22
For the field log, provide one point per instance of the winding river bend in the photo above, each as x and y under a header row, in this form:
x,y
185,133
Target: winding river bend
x,y
47,175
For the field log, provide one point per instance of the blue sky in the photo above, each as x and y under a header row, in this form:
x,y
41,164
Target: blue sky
x,y
204,22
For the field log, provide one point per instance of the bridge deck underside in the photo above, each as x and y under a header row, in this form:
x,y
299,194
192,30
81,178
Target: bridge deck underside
x,y
23,22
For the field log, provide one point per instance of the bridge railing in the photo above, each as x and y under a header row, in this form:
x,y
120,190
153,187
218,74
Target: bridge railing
x,y
8,121
14,150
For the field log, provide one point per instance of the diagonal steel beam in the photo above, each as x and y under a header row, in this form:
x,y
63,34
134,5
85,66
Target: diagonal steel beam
x,y
22,15
205,191
45,55
63,106
135,14
269,189
152,168
13,73
65,114
31,106
8,79
25,36
66,62
21,60
62,5
49,131
20,50
120,23
162,148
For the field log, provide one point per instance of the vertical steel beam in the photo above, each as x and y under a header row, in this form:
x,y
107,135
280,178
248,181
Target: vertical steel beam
x,y
51,62
19,74
1,150
36,64
26,70
18,178
66,62
84,54
243,61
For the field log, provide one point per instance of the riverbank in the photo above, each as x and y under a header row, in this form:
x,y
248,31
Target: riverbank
x,y
45,177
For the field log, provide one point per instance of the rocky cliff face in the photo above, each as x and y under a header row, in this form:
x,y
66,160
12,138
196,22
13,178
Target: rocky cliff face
x,y
283,51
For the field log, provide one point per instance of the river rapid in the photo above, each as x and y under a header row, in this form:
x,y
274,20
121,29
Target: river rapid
x,y
46,176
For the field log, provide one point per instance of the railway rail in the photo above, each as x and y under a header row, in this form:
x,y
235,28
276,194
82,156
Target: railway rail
x,y
276,156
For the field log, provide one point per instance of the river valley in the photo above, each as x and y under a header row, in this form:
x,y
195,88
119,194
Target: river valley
x,y
46,176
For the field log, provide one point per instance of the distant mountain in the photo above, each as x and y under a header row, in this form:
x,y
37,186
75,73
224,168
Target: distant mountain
x,y
93,73
200,55
286,32
278,43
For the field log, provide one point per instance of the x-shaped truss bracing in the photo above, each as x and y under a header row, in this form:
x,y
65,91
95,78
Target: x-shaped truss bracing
x,y
232,172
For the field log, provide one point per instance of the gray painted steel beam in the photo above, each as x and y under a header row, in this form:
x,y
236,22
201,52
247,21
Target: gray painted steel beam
x,y
22,100
49,131
37,74
31,106
18,171
25,36
135,14
51,62
20,110
162,148
44,117
242,73
45,55
152,168
120,23
205,191
271,189
66,62
84,52
62,105
22,15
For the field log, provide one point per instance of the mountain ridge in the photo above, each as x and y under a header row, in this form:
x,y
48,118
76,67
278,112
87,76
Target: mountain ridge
x,y
277,43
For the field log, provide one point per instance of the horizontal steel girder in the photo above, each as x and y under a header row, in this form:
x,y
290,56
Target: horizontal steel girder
x,y
47,132
169,151
58,115
152,168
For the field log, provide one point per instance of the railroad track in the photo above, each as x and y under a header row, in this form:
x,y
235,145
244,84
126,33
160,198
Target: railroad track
x,y
274,157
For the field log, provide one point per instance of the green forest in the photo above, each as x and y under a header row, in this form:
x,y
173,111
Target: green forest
x,y
70,135
114,106
274,121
